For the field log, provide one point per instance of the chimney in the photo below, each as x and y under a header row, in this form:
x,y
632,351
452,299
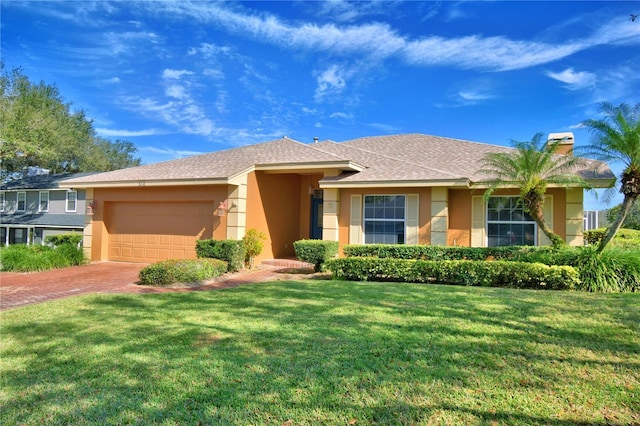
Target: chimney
x,y
564,140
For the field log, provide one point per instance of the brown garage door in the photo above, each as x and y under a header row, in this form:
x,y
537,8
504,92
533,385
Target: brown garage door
x,y
149,232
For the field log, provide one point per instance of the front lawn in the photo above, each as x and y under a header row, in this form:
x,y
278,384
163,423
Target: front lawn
x,y
324,352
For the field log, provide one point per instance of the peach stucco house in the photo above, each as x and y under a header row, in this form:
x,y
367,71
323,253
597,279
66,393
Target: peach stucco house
x,y
404,189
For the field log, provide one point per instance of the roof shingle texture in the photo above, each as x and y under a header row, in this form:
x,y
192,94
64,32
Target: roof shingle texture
x,y
406,157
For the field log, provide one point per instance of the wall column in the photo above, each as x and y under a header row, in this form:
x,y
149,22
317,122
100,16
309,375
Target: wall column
x,y
330,210
237,209
574,217
87,233
439,216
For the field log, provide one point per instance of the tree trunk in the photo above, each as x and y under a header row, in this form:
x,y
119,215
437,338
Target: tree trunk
x,y
627,203
534,202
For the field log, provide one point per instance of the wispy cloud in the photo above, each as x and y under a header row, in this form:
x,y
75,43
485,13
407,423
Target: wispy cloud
x,y
341,115
386,128
126,133
573,80
173,153
379,40
331,81
175,74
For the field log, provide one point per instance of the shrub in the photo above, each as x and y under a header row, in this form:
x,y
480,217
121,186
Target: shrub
x,y
72,238
253,245
424,252
316,252
183,270
231,251
23,258
625,238
460,272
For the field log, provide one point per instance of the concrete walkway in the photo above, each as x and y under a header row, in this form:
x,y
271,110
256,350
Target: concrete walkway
x,y
19,289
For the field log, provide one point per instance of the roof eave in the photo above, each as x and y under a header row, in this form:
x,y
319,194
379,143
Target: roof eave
x,y
144,183
395,184
347,166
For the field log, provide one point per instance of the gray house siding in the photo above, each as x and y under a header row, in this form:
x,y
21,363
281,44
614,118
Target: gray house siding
x,y
32,225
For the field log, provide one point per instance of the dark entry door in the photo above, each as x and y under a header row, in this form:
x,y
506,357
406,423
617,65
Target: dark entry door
x,y
316,218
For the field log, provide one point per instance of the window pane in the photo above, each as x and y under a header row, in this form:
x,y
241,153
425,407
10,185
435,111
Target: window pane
x,y
505,217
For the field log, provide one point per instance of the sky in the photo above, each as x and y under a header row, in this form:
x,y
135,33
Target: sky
x,y
180,78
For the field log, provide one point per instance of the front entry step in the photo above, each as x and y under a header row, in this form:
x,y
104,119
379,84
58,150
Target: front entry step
x,y
287,263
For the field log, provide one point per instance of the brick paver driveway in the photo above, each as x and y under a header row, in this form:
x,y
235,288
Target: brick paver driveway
x,y
109,277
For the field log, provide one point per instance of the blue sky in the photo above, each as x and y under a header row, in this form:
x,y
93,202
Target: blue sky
x,y
179,78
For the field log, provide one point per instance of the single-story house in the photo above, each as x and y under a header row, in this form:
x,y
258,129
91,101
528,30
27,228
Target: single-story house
x,y
33,207
400,189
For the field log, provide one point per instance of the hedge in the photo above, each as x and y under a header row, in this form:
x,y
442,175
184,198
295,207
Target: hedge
x,y
231,251
316,252
182,270
60,239
35,258
460,272
425,252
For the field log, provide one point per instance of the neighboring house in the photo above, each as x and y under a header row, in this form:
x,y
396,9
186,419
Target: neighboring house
x,y
594,219
35,206
402,189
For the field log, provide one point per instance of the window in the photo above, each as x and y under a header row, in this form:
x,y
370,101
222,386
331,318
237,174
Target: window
x,y
22,201
72,199
43,206
1,203
508,224
384,219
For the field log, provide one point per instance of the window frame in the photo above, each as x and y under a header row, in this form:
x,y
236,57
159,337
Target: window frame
x,y
75,201
2,202
40,200
510,222
365,219
21,194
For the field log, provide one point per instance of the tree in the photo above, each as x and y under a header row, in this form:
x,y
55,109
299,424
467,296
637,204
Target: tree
x,y
39,129
617,139
531,168
631,221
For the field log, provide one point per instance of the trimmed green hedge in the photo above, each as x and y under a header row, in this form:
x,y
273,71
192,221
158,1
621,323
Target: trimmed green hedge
x,y
424,252
316,252
231,251
182,270
459,272
625,238
60,239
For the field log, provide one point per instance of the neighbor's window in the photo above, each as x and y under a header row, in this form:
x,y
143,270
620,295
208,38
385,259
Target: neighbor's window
x,y
22,201
508,224
1,203
43,205
384,219
72,200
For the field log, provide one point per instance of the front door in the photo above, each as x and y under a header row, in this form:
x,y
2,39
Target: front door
x,y
316,216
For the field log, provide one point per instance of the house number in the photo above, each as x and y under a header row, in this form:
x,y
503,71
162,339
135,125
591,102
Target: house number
x,y
141,183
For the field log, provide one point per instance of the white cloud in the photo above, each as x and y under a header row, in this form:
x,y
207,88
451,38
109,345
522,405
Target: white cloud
x,y
209,50
317,125
175,74
126,133
176,91
213,73
574,80
174,153
386,128
342,115
330,82
379,40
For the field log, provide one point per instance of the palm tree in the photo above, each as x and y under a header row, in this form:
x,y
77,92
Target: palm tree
x,y
531,168
617,139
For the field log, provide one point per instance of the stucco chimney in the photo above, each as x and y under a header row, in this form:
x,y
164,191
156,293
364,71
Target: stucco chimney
x,y
565,139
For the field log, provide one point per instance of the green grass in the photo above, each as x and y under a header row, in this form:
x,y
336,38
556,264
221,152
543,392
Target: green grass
x,y
324,352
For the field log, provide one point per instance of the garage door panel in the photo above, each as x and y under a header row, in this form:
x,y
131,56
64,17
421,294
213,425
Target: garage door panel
x,y
149,232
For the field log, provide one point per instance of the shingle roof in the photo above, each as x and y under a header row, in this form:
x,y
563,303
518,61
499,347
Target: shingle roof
x,y
46,181
384,159
64,220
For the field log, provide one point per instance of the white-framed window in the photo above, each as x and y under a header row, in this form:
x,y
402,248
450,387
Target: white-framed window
x,y
21,201
1,203
72,200
43,204
508,224
384,219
